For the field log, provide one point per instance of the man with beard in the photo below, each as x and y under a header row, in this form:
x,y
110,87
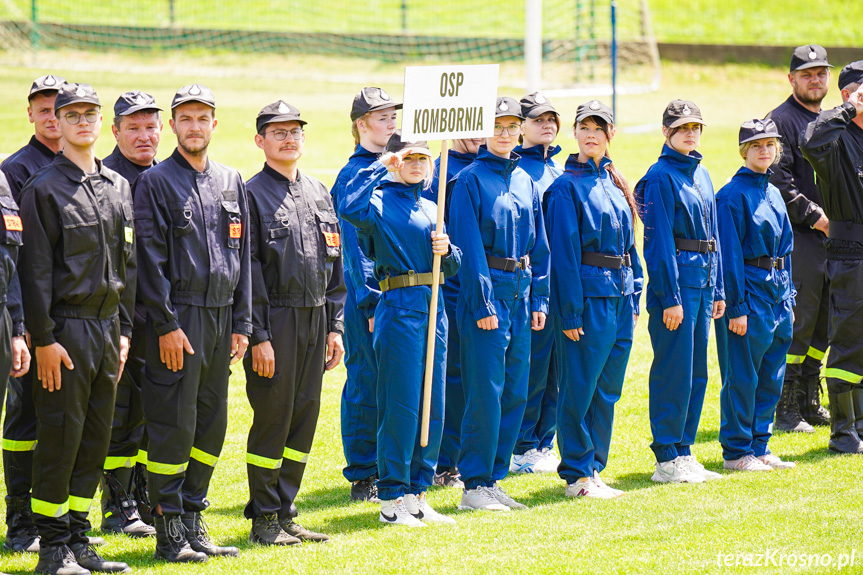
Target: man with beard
x,y
800,406
192,224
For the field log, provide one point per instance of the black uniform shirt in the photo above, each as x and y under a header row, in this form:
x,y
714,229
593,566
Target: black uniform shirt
x,y
78,257
193,241
793,175
24,163
10,242
123,166
833,144
295,247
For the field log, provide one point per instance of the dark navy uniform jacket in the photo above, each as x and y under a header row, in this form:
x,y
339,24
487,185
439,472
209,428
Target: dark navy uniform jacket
x,y
586,212
397,220
125,167
539,165
833,144
793,175
495,210
295,249
78,257
10,243
676,200
753,223
193,242
24,163
359,269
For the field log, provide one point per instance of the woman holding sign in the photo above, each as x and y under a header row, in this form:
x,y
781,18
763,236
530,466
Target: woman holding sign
x,y
596,282
395,223
495,214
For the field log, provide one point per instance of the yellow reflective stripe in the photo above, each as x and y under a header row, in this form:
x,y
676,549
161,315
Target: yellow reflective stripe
x,y
815,353
792,359
295,455
265,462
12,445
166,468
80,503
49,509
204,457
142,457
119,462
843,375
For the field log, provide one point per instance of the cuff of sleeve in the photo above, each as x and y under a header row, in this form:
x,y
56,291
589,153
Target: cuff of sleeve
x,y
242,328
718,294
126,330
43,340
671,301
813,217
18,329
487,310
539,304
850,111
636,304
739,310
259,336
368,309
573,322
337,327
167,327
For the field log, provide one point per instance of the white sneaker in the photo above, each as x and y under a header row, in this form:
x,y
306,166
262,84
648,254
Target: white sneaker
x,y
674,472
418,507
525,463
693,466
499,494
588,487
480,498
548,461
393,511
598,480
773,461
746,463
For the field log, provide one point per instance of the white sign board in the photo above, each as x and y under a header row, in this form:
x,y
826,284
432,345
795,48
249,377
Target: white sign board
x,y
444,102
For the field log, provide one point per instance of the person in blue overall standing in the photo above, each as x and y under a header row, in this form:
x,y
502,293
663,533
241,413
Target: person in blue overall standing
x,y
496,218
756,332
681,252
596,281
463,153
373,121
396,225
534,451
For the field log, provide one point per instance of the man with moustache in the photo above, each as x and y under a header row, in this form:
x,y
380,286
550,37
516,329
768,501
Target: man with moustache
x,y
799,406
195,281
137,128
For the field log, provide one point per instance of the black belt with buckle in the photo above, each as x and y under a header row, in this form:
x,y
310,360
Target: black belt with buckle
x,y
605,261
409,279
700,246
508,264
767,263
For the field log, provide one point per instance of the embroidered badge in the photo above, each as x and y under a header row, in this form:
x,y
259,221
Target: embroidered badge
x,y
594,105
759,126
80,92
812,55
194,90
13,223
333,239
686,109
50,81
235,231
283,108
503,107
384,95
540,99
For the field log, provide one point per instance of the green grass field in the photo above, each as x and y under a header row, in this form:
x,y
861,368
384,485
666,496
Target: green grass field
x,y
653,529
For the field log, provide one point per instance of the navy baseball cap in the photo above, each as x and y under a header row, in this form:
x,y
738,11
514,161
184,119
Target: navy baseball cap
x,y
396,144
194,93
851,74
594,108
679,112
370,99
752,130
507,106
809,56
279,111
69,94
130,102
49,83
535,105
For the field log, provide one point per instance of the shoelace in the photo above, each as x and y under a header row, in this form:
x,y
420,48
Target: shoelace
x,y
64,555
176,530
272,525
400,509
486,494
202,534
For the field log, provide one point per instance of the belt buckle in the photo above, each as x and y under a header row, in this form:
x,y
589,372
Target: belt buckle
x,y
711,245
776,263
412,278
524,262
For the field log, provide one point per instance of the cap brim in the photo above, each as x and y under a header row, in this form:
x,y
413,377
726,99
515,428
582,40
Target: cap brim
x,y
62,105
188,99
418,150
763,136
134,109
819,64
584,116
540,110
396,105
500,114
41,90
686,120
285,118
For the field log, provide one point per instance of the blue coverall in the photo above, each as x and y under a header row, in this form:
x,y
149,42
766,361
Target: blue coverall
x,y
753,223
454,407
495,211
676,202
359,404
540,413
586,212
395,223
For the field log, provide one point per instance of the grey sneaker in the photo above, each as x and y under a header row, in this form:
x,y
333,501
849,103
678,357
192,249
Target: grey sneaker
x,y
480,498
505,499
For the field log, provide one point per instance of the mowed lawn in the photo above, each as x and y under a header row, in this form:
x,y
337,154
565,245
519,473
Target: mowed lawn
x,y
653,529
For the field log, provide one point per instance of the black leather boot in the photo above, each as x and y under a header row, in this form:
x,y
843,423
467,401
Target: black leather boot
x,y
87,558
810,405
788,416
171,543
199,539
119,509
21,533
58,560
843,431
140,495
267,531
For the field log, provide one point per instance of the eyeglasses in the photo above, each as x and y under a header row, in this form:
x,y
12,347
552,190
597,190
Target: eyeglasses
x,y
512,129
280,135
74,118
